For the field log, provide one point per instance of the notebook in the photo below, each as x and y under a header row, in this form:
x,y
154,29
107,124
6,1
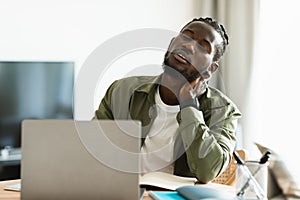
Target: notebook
x,y
67,159
192,193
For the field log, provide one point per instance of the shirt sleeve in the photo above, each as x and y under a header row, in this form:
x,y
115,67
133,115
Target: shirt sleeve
x,y
208,144
104,110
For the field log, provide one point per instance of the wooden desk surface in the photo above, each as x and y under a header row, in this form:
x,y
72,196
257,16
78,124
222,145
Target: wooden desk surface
x,y
9,195
14,195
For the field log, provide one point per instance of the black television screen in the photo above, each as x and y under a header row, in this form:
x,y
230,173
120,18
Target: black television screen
x,y
30,90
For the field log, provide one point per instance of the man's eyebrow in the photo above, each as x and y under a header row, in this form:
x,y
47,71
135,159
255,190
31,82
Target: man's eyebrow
x,y
189,30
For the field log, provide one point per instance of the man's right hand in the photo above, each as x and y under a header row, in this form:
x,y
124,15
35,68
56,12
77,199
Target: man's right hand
x,y
192,90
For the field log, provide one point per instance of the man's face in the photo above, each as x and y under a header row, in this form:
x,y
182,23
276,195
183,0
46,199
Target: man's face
x,y
191,52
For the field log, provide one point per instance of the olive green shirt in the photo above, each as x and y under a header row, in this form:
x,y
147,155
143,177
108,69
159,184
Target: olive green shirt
x,y
206,137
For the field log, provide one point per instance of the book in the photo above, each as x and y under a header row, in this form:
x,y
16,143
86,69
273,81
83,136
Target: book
x,y
192,193
172,187
173,195
165,181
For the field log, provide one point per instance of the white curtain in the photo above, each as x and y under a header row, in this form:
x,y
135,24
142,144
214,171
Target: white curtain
x,y
240,18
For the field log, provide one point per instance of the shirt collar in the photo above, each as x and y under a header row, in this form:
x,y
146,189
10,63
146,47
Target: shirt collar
x,y
152,84
209,98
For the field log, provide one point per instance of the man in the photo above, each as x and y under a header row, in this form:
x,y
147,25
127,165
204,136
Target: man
x,y
188,128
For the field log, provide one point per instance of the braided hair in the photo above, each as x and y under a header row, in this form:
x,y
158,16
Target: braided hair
x,y
220,29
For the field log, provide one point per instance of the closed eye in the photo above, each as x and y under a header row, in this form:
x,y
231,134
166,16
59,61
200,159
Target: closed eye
x,y
203,45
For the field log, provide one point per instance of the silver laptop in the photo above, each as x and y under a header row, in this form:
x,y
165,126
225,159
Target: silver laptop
x,y
67,159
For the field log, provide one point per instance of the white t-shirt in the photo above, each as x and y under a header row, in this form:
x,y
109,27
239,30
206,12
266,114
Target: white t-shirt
x,y
157,151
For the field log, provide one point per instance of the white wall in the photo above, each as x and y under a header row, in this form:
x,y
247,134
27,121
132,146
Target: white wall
x,y
72,29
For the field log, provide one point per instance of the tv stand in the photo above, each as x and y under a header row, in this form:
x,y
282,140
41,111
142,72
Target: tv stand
x,y
10,162
10,156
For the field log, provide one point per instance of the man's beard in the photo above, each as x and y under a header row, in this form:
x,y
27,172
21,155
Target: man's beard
x,y
172,71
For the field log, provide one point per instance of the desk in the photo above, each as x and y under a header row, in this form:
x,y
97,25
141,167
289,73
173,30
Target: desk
x,y
9,195
13,195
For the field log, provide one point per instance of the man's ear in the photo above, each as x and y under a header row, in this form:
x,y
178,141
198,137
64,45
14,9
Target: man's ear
x,y
213,67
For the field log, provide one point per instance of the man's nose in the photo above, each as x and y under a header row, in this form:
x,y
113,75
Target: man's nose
x,y
189,46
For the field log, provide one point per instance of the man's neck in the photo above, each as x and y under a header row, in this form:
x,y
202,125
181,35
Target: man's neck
x,y
169,89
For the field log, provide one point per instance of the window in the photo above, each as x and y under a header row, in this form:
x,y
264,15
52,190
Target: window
x,y
277,78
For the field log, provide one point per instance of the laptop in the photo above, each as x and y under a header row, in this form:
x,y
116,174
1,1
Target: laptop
x,y
67,159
